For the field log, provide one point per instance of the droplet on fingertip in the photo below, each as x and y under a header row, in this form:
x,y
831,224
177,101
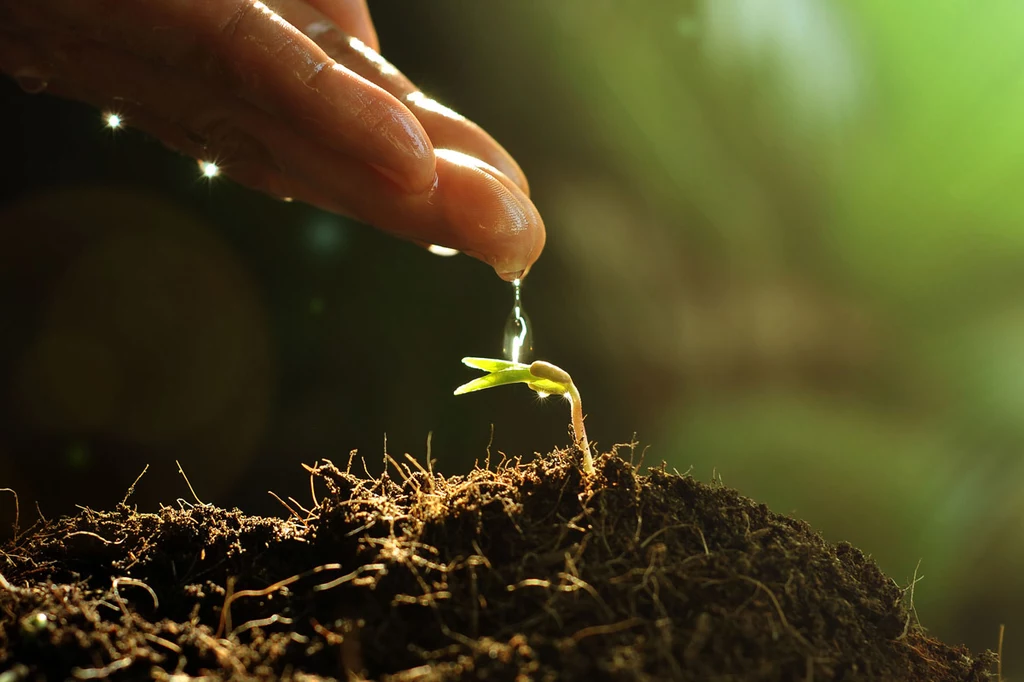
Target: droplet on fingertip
x,y
513,276
33,85
112,120
439,250
287,200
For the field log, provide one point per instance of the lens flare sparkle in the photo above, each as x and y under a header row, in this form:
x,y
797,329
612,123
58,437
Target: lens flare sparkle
x,y
209,169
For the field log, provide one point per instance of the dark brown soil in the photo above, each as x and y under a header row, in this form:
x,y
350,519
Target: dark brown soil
x,y
524,572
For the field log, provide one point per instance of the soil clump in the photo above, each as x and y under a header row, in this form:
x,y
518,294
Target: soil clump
x,y
526,571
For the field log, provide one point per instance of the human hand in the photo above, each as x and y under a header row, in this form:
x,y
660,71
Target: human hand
x,y
294,102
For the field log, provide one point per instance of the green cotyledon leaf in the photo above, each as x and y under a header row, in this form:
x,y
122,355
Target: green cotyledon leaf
x,y
507,376
503,372
542,377
492,365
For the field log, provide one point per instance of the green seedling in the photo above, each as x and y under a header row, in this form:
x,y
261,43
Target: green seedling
x,y
544,378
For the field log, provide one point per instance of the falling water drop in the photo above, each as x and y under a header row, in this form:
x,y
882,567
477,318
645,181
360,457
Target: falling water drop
x,y
31,84
518,337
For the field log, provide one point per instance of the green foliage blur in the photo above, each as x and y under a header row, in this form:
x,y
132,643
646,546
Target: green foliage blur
x,y
803,221
786,249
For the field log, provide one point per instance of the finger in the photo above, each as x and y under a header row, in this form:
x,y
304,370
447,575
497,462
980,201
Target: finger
x,y
513,247
265,60
189,117
351,16
472,207
446,128
451,130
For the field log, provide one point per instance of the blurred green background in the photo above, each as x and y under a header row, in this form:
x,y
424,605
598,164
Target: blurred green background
x,y
786,247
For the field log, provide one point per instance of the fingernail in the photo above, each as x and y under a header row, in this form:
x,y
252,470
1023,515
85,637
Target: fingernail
x,y
410,178
409,160
374,126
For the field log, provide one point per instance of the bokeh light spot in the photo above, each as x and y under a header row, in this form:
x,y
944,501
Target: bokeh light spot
x,y
325,234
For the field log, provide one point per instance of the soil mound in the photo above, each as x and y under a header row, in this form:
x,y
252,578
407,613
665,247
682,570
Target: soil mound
x,y
522,572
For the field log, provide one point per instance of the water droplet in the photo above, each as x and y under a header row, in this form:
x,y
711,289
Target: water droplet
x,y
439,250
31,84
518,336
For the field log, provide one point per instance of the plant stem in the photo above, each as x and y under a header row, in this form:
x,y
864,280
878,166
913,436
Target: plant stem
x,y
557,375
581,433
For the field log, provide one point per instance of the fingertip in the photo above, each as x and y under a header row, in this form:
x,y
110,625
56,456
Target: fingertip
x,y
490,217
539,233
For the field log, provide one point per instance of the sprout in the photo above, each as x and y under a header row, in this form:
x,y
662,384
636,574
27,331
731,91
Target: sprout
x,y
542,377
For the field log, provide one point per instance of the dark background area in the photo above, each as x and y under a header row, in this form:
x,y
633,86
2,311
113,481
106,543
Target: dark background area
x,y
784,247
